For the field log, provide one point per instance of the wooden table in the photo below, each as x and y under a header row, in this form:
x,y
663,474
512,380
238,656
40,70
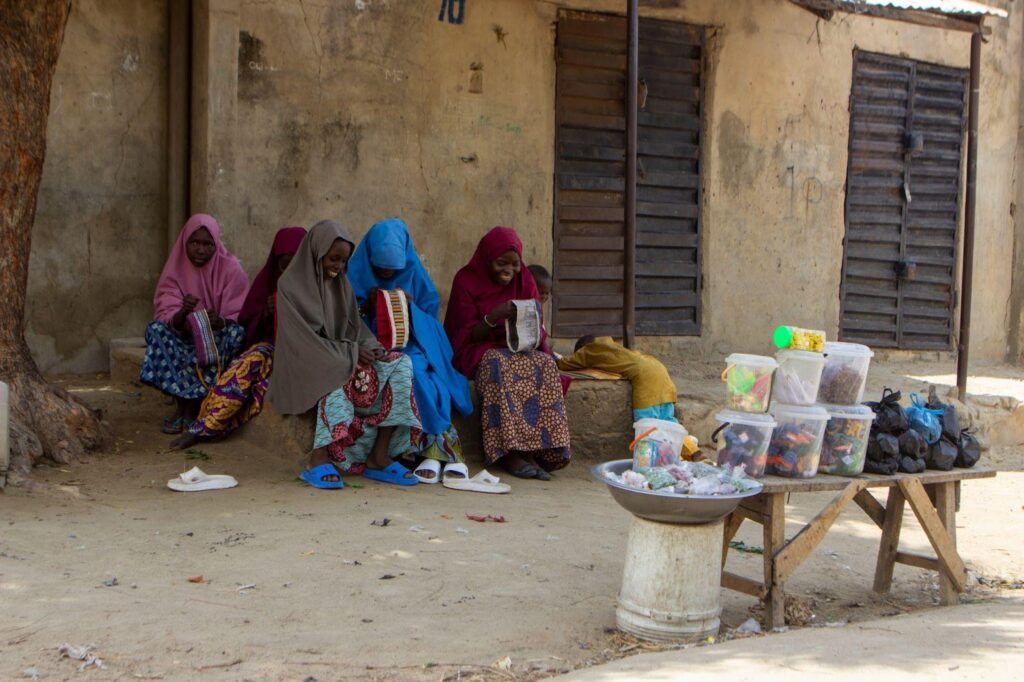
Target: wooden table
x,y
933,495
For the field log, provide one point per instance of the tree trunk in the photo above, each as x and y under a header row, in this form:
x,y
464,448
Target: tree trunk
x,y
46,422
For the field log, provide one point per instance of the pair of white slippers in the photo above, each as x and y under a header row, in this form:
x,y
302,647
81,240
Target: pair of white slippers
x,y
456,476
197,480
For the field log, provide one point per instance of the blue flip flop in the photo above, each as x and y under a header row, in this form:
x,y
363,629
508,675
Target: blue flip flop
x,y
393,474
315,477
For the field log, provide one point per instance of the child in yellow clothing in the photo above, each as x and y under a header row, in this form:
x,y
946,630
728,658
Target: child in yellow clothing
x,y
654,394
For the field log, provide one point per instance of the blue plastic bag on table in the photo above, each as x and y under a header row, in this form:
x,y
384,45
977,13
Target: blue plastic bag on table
x,y
923,420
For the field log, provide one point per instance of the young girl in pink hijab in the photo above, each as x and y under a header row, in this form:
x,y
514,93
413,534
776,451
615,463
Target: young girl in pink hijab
x,y
200,274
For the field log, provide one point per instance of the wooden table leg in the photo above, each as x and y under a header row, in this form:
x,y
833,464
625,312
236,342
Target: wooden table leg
x,y
945,505
891,526
774,513
732,525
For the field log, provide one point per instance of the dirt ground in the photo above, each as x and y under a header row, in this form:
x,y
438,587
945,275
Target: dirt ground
x,y
300,585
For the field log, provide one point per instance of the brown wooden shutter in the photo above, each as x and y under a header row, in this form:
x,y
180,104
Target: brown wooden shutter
x,y
590,177
894,104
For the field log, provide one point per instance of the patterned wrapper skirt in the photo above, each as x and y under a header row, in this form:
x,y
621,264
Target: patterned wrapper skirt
x,y
522,407
378,396
170,362
444,447
238,395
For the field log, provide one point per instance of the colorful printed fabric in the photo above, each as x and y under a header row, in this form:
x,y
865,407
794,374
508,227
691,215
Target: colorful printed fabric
x,y
170,361
664,411
375,397
522,408
445,447
238,395
203,338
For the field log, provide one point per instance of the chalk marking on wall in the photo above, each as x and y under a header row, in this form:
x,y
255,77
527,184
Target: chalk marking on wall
x,y
512,128
395,75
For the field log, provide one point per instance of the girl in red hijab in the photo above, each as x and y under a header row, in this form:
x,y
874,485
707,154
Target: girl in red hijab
x,y
241,388
521,402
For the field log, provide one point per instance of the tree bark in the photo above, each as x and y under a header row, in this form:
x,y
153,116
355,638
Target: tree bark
x,y
46,422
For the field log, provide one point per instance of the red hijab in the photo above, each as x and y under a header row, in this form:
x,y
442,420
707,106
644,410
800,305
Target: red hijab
x,y
286,241
474,294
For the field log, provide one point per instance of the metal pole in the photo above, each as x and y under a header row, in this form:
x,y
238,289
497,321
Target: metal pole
x,y
963,350
629,252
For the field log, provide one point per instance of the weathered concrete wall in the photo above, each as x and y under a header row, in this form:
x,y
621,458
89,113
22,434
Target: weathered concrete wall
x,y
99,238
362,109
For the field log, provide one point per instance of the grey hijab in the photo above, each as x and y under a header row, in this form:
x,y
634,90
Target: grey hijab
x,y
319,331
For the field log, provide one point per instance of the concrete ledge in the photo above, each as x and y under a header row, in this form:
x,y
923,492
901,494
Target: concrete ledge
x,y
126,359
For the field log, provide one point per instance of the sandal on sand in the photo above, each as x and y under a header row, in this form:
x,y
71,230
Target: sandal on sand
x,y
393,474
173,425
195,480
428,466
483,482
317,477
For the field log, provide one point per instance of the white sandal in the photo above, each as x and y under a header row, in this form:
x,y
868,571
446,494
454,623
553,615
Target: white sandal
x,y
195,480
483,482
431,466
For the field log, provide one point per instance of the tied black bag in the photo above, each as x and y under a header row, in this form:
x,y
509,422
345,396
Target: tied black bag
x,y
949,418
969,451
913,444
889,415
942,455
911,465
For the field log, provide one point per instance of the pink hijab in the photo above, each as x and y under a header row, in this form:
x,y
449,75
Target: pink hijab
x,y
220,285
474,294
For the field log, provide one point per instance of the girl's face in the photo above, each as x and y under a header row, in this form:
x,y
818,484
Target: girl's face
x,y
200,247
335,261
505,267
384,273
282,262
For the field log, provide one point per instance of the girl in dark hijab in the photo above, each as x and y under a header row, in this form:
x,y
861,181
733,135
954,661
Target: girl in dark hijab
x,y
521,401
325,357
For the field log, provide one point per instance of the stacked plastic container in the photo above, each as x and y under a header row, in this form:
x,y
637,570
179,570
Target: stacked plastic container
x,y
796,442
841,391
745,430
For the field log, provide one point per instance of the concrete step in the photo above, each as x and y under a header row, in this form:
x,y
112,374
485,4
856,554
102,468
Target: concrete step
x,y
126,359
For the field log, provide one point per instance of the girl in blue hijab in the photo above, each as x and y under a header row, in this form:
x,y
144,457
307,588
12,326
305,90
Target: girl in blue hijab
x,y
386,259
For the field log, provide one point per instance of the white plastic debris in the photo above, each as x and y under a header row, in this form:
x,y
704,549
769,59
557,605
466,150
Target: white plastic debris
x,y
750,626
81,653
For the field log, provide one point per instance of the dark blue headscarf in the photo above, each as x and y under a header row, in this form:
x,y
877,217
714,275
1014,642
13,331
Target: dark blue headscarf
x,y
437,385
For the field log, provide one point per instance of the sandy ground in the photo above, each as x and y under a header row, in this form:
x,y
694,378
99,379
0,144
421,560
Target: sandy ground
x,y
298,584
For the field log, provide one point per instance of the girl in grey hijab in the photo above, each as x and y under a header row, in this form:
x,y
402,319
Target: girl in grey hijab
x,y
326,357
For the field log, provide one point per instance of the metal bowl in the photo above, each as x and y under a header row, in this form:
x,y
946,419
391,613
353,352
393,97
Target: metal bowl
x,y
668,507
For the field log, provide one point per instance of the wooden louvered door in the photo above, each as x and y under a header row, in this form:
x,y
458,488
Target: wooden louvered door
x,y
590,176
902,203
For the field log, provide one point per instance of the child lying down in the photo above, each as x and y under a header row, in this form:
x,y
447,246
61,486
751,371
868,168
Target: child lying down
x,y
654,394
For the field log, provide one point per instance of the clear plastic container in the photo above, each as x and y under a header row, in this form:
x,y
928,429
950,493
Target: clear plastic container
x,y
846,372
748,382
797,378
796,441
846,440
743,440
657,443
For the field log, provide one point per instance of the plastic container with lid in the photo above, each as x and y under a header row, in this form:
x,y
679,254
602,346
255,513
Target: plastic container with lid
x,y
797,378
795,338
846,372
657,443
748,382
796,441
846,440
743,440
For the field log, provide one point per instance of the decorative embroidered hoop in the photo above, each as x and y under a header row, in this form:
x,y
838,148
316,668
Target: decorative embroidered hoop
x,y
393,325
522,331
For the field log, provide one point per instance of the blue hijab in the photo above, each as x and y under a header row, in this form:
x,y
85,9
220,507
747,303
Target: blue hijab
x,y
437,385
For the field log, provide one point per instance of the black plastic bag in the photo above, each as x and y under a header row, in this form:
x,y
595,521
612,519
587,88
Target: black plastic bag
x,y
942,455
889,415
911,465
913,444
886,468
883,447
969,451
949,418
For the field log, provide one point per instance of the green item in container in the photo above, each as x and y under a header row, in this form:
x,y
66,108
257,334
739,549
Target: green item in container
x,y
795,338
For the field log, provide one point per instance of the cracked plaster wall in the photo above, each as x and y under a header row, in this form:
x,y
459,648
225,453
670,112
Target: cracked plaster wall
x,y
361,109
99,239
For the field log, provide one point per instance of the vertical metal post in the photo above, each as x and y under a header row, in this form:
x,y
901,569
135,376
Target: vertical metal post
x,y
964,346
629,251
179,109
